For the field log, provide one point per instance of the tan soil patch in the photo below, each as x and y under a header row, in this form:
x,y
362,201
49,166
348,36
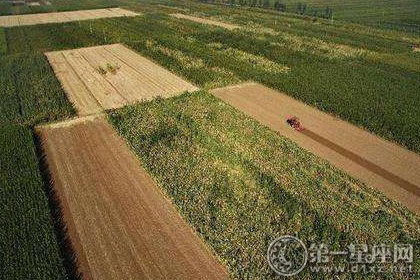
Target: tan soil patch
x,y
384,165
92,87
32,19
206,21
120,223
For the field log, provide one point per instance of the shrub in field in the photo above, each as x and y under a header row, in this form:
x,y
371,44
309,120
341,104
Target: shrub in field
x,y
28,245
241,185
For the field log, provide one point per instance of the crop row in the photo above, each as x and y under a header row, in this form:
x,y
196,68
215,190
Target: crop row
x,y
241,185
29,247
30,92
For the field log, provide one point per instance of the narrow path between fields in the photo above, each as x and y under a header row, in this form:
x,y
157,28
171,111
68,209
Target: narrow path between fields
x,y
120,223
384,165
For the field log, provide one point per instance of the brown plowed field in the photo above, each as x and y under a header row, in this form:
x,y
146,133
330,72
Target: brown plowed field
x,y
206,21
91,87
32,19
384,165
120,223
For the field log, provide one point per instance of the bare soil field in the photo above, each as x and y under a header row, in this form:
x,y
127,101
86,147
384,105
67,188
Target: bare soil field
x,y
120,223
382,164
32,19
111,76
206,21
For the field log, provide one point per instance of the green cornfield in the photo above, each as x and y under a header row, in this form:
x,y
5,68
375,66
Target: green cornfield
x,y
28,244
29,91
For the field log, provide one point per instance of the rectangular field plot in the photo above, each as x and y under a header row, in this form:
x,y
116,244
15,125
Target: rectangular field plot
x,y
111,76
382,164
32,19
120,223
206,21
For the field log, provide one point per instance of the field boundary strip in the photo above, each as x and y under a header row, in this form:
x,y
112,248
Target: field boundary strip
x,y
71,122
59,17
382,164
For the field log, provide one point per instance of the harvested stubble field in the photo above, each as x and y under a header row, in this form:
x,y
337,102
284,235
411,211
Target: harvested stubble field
x,y
33,19
121,225
240,184
28,244
111,76
384,165
49,6
367,77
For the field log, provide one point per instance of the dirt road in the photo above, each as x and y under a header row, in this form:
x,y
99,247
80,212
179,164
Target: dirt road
x,y
32,19
384,165
121,224
111,76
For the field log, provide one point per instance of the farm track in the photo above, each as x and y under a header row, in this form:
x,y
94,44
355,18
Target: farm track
x,y
120,224
206,21
384,165
57,17
135,78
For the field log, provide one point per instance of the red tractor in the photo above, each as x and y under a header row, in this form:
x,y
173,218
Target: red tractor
x,y
294,122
